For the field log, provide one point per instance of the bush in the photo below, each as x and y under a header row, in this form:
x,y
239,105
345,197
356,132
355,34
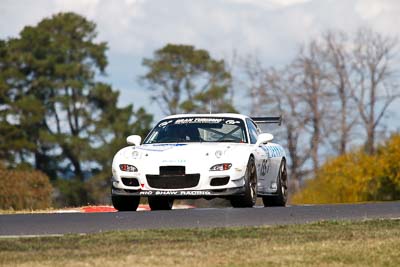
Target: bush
x,y
70,193
356,177
24,189
389,162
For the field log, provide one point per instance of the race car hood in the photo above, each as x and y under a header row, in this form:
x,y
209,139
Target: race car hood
x,y
169,153
189,154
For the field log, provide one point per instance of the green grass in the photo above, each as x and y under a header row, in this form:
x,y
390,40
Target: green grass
x,y
365,243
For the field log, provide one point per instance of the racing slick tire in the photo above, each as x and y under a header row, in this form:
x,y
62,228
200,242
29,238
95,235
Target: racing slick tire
x,y
125,203
160,203
281,198
249,198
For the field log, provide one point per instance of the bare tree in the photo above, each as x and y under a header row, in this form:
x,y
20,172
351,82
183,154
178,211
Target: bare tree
x,y
339,70
271,92
374,88
320,92
288,103
256,86
311,83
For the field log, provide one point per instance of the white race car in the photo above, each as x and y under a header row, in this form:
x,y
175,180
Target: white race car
x,y
201,156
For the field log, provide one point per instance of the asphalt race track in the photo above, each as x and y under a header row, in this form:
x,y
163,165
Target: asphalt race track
x,y
54,224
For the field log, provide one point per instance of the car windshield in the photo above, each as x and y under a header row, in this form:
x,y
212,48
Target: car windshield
x,y
198,129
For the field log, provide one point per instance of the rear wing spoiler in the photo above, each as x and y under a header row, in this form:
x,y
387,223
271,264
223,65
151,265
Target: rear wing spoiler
x,y
267,120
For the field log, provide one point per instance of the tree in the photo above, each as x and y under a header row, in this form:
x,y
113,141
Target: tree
x,y
374,86
69,123
320,91
310,73
289,104
272,92
339,72
186,79
55,63
298,92
14,141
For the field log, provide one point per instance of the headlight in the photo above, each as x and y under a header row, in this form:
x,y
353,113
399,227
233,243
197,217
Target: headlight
x,y
127,168
221,167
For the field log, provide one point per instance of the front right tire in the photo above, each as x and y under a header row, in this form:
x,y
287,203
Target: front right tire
x,y
161,203
125,203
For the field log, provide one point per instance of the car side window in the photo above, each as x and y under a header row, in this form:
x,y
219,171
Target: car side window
x,y
253,131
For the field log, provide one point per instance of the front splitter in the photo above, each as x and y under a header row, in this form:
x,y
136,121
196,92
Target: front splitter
x,y
180,193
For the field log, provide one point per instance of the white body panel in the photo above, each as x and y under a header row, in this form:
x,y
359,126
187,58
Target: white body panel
x,y
198,158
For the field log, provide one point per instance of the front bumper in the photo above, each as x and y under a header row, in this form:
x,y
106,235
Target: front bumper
x,y
183,194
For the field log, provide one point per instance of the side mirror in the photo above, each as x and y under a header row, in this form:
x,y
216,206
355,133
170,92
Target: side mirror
x,y
134,140
264,138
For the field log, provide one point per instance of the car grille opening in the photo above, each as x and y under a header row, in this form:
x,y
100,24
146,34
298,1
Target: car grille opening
x,y
219,181
173,181
130,181
172,170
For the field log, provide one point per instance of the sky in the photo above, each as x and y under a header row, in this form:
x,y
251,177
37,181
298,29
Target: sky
x,y
271,29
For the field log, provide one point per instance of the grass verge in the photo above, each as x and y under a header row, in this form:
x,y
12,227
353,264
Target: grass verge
x,y
367,243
